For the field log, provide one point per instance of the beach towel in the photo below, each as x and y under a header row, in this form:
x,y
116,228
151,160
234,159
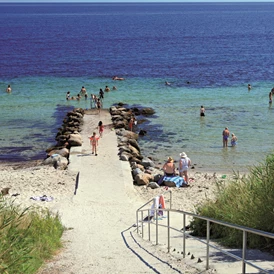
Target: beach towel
x,y
154,206
175,181
161,205
162,201
43,198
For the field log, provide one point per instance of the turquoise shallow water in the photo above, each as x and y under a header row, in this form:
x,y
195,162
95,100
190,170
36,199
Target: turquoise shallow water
x,y
34,110
50,48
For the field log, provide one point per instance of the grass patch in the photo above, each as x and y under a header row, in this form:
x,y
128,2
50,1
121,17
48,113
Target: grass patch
x,y
27,237
246,201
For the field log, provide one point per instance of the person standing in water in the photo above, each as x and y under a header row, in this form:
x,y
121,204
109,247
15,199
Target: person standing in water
x,y
68,95
226,134
233,140
83,91
99,105
202,111
101,94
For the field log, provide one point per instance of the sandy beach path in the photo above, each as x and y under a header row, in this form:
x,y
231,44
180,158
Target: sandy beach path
x,y
100,238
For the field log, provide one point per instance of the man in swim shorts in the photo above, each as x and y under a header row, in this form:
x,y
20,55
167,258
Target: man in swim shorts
x,y
225,136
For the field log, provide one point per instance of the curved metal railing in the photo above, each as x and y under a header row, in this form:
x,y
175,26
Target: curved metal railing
x,y
244,230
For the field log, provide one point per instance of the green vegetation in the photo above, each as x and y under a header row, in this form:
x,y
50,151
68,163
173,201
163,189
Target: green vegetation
x,y
246,201
27,237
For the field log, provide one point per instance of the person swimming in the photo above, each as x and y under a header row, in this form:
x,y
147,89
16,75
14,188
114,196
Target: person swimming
x,y
8,90
117,78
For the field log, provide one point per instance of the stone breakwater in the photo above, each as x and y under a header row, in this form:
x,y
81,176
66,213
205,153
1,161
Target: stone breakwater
x,y
144,170
68,135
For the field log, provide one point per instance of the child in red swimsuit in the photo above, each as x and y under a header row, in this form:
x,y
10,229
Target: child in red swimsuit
x,y
101,128
94,143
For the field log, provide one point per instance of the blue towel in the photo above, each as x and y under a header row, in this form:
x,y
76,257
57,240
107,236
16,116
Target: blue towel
x,y
177,180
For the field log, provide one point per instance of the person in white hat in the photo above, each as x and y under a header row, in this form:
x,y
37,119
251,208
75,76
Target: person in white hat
x,y
184,164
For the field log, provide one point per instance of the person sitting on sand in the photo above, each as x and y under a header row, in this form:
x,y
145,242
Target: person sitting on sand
x,y
8,90
233,140
94,143
169,167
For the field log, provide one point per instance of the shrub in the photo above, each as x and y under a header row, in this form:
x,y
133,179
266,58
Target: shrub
x,y
27,237
246,201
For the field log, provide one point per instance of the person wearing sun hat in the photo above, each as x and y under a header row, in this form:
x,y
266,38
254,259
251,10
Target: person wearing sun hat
x,y
184,164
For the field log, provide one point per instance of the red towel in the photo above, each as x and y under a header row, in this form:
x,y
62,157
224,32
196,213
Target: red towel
x,y
162,201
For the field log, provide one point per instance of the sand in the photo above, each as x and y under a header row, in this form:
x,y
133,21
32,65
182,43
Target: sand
x,y
100,210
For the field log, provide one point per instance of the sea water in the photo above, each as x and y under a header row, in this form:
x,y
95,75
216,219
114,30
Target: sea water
x,y
208,52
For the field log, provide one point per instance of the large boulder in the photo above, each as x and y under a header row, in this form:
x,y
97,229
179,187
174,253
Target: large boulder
x,y
148,111
134,143
135,152
64,152
119,124
146,162
143,179
52,159
75,139
136,160
130,135
136,171
124,149
62,163
124,156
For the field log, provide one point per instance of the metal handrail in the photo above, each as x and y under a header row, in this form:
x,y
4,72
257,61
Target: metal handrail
x,y
244,229
139,209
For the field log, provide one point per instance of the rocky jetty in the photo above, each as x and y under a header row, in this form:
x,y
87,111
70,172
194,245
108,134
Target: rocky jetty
x,y
67,136
144,170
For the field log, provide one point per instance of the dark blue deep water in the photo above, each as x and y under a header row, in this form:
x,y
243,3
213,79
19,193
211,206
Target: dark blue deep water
x,y
208,51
